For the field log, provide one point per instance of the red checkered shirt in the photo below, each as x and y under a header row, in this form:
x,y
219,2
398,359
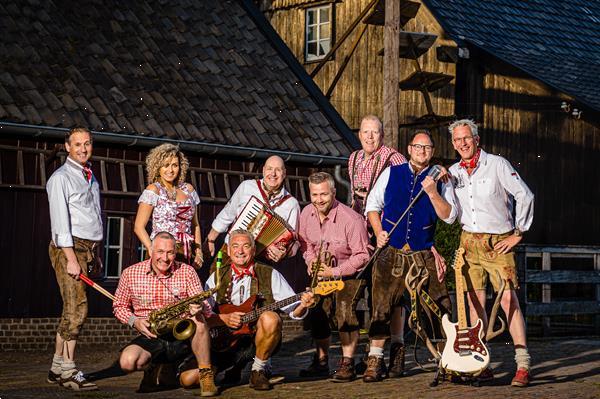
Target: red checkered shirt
x,y
141,291
360,175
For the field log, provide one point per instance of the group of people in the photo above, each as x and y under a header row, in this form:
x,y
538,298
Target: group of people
x,y
395,207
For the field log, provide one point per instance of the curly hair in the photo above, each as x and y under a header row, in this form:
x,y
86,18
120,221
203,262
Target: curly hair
x,y
157,157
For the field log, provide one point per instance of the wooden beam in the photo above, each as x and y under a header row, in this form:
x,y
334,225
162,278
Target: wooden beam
x,y
563,308
391,72
347,58
123,177
563,276
20,168
546,294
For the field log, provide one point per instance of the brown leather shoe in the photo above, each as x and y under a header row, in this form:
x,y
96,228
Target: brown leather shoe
x,y
345,371
259,380
375,369
207,382
396,368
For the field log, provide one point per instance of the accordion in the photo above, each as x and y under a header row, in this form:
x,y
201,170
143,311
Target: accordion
x,y
267,227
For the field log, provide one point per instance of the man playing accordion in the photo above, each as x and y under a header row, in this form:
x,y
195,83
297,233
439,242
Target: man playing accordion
x,y
277,200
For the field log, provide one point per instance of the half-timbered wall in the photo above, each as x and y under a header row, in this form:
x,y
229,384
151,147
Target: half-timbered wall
x,y
28,286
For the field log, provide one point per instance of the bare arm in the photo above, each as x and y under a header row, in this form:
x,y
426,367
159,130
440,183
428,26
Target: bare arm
x,y
198,258
73,266
141,220
441,206
380,233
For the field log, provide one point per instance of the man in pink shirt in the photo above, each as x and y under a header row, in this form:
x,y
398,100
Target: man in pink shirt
x,y
329,228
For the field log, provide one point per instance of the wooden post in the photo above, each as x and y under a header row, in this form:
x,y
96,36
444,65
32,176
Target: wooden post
x,y
546,292
391,72
597,317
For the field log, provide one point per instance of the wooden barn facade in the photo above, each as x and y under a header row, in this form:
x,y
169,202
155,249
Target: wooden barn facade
x,y
527,72
211,76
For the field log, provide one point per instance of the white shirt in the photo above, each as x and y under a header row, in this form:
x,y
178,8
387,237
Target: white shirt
x,y
74,205
289,209
486,197
376,198
240,292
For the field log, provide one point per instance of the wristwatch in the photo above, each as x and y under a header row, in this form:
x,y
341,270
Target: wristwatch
x,y
518,233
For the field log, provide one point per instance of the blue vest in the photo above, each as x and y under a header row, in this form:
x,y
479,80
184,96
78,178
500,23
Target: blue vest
x,y
418,226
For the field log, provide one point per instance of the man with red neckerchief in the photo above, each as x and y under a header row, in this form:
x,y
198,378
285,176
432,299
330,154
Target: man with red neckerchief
x,y
242,278
488,188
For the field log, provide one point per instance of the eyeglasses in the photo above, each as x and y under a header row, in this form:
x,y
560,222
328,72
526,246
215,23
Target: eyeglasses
x,y
467,139
420,147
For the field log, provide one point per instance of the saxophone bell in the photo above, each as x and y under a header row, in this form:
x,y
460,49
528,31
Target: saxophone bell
x,y
165,322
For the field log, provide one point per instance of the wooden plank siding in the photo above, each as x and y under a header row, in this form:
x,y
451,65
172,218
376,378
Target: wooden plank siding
x,y
29,287
519,117
360,89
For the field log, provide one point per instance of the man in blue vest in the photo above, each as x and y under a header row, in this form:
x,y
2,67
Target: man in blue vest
x,y
408,246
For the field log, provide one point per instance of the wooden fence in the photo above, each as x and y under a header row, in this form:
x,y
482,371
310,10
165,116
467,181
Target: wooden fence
x,y
560,288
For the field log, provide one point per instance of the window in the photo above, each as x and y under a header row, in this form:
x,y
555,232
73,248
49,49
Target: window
x,y
113,247
141,251
318,32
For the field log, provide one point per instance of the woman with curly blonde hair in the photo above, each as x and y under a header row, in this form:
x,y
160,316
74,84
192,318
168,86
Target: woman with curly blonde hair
x,y
171,202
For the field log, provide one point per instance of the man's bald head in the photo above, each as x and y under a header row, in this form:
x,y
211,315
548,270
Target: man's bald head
x,y
274,173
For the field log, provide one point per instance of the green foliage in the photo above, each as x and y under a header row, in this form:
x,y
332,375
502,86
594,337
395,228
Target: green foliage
x,y
447,237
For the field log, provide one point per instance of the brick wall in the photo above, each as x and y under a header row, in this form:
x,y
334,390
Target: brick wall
x,y
39,333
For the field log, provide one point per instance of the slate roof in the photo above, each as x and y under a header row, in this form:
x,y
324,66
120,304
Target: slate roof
x,y
198,70
555,41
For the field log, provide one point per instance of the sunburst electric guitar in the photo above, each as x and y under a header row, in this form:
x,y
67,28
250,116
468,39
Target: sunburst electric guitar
x,y
465,352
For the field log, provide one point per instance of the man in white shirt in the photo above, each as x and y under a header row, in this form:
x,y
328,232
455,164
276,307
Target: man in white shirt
x,y
269,190
76,224
239,280
487,187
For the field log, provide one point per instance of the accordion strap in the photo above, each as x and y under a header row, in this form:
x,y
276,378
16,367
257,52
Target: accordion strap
x,y
266,197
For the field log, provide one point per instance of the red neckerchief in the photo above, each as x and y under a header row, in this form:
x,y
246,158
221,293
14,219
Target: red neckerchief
x,y
240,273
470,165
87,173
266,197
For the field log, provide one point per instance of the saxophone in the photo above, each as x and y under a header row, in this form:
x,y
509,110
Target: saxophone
x,y
324,258
167,321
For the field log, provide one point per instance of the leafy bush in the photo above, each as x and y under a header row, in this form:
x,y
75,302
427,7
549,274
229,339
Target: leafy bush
x,y
447,237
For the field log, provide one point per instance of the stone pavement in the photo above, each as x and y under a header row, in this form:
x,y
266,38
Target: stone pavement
x,y
562,369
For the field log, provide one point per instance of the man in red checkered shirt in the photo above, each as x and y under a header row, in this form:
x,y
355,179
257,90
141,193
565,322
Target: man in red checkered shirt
x,y
151,285
365,166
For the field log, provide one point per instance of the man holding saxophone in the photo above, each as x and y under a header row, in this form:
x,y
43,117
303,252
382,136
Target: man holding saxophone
x,y
152,285
334,240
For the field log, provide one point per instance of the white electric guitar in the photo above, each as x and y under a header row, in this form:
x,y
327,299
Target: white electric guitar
x,y
465,351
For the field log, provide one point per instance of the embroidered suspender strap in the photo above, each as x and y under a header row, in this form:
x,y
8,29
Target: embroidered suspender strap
x,y
353,171
373,177
266,198
262,192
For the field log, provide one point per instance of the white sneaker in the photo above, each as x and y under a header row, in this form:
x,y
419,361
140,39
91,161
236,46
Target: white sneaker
x,y
77,382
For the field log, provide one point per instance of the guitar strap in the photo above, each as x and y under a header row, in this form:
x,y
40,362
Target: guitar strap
x,y
416,276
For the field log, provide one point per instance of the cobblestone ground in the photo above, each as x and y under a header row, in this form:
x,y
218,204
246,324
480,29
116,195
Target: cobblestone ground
x,y
562,369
